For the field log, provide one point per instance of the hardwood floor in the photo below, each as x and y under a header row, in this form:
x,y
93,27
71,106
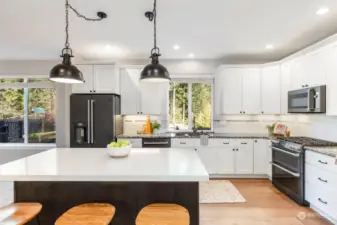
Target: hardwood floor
x,y
265,206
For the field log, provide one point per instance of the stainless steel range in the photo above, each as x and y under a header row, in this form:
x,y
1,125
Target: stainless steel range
x,y
288,164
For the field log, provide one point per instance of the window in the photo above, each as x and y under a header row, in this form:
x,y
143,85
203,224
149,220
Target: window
x,y
190,105
27,110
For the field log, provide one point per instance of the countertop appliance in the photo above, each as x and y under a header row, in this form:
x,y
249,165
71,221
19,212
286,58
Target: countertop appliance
x,y
307,100
162,142
288,164
95,120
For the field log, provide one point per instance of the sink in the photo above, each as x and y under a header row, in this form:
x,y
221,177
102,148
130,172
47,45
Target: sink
x,y
184,134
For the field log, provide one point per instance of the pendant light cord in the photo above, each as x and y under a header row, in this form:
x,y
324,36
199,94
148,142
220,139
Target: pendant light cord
x,y
155,52
67,7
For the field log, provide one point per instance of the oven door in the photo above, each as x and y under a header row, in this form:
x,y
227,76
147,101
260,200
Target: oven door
x,y
287,180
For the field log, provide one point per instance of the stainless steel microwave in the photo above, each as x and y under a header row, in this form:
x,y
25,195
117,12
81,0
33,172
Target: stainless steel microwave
x,y
307,100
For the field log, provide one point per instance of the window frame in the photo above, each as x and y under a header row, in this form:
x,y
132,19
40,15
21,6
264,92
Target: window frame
x,y
189,82
25,86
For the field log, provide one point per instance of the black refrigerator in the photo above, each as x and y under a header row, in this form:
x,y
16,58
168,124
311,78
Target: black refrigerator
x,y
95,120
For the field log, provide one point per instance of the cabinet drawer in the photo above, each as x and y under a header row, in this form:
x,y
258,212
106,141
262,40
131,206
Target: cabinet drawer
x,y
321,179
136,142
183,142
322,199
225,142
244,143
321,161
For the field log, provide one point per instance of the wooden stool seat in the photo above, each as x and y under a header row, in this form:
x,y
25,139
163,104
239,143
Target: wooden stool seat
x,y
163,214
88,214
22,213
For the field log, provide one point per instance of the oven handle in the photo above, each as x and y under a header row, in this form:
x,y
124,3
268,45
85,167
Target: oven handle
x,y
289,153
286,170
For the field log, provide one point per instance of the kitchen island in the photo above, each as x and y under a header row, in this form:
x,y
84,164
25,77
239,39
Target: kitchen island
x,y
62,178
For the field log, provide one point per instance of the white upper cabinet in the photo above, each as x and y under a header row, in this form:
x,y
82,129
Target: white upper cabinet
x,y
230,90
331,81
251,98
88,76
238,90
271,90
129,91
285,86
297,78
314,67
98,79
142,98
106,79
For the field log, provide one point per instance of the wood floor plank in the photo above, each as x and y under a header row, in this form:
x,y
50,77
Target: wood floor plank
x,y
265,206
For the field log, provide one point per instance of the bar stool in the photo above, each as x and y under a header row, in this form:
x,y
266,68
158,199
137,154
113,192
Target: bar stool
x,y
88,214
163,214
22,213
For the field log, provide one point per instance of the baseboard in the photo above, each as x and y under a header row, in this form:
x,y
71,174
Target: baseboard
x,y
326,216
247,176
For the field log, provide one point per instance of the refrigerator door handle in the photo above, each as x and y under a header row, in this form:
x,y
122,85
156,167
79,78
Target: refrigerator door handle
x,y
89,129
114,115
92,121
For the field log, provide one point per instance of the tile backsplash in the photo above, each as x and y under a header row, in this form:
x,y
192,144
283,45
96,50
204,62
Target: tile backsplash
x,y
132,124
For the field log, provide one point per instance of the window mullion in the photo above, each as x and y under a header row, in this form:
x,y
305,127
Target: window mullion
x,y
25,113
190,115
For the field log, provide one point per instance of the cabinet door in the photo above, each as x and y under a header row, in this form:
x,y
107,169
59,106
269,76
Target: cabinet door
x,y
136,142
130,91
153,98
271,90
251,103
260,156
106,79
285,86
208,157
297,76
230,90
244,157
88,76
314,67
225,160
331,84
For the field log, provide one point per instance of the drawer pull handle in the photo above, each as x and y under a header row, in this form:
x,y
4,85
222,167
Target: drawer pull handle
x,y
183,143
225,143
324,202
320,161
243,143
325,181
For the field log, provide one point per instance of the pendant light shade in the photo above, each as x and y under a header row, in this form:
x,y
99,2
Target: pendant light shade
x,y
154,72
65,72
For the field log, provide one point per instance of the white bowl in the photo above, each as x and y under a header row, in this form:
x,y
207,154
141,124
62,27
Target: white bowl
x,y
119,152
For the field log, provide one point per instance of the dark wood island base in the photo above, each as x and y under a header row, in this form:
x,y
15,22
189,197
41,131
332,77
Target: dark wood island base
x,y
128,197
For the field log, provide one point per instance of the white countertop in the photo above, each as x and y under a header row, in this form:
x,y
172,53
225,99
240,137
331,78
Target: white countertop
x,y
94,164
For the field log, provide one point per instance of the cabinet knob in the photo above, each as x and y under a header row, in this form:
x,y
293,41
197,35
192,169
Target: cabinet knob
x,y
90,91
262,112
240,111
255,141
244,112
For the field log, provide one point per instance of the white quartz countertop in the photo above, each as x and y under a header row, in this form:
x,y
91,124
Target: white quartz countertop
x,y
94,164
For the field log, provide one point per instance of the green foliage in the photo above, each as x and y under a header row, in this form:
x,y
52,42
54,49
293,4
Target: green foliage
x,y
155,125
201,104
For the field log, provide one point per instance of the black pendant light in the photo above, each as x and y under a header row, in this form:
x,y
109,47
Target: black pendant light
x,y
154,72
65,72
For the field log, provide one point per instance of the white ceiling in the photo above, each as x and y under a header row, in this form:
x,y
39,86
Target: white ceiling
x,y
224,29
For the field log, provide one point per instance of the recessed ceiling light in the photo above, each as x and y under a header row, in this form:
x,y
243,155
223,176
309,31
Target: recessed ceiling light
x,y
176,47
191,55
270,46
322,11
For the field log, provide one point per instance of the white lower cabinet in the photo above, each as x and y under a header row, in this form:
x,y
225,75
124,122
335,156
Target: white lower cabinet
x,y
228,156
208,157
225,161
244,157
261,156
320,185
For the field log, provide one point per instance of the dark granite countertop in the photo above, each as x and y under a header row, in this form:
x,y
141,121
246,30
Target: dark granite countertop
x,y
211,135
329,151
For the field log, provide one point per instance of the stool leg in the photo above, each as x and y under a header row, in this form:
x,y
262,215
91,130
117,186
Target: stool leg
x,y
38,220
